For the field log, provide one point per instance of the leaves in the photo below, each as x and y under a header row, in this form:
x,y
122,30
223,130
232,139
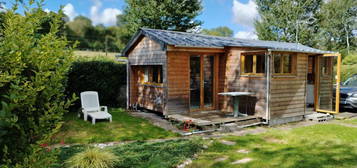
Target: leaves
x,y
34,62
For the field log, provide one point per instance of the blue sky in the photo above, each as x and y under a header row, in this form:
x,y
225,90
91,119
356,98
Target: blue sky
x,y
238,15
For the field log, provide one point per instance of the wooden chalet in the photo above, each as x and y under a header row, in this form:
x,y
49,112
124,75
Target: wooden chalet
x,y
183,74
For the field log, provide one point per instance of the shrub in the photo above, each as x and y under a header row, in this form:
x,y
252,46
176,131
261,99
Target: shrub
x,y
349,66
92,158
33,74
106,77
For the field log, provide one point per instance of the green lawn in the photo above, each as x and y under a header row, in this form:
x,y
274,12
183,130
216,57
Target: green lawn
x,y
164,154
322,145
123,128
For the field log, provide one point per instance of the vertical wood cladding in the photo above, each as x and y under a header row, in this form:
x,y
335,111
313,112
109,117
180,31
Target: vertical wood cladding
x,y
287,93
147,52
230,80
178,83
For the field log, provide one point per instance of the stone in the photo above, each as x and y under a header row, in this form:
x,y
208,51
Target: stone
x,y
221,159
227,142
242,161
185,163
243,151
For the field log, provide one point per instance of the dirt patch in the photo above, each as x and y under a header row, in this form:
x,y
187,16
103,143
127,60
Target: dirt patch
x,y
220,159
156,120
275,140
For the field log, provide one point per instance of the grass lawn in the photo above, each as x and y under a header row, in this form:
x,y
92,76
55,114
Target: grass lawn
x,y
165,154
322,145
123,128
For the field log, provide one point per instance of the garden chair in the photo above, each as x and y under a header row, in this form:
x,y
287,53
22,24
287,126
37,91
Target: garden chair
x,y
90,107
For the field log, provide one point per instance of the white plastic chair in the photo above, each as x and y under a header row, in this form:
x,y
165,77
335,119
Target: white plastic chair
x,y
91,107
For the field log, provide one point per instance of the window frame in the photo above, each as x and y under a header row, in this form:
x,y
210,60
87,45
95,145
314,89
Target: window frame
x,y
281,68
148,71
254,66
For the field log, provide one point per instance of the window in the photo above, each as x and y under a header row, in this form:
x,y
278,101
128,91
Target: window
x,y
326,66
284,63
152,74
253,64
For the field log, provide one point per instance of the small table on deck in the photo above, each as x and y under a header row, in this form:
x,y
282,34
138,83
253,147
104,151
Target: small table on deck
x,y
235,95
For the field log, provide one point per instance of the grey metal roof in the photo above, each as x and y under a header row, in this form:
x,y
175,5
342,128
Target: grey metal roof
x,y
184,39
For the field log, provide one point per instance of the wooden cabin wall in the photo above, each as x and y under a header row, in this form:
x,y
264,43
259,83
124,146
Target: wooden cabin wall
x,y
230,80
145,95
178,84
146,52
287,94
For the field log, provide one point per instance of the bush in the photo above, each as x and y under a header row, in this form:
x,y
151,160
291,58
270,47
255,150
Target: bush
x,y
349,66
92,158
106,77
33,74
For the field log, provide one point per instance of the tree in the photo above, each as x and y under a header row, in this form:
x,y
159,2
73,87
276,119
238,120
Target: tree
x,y
166,14
33,68
339,19
289,20
219,31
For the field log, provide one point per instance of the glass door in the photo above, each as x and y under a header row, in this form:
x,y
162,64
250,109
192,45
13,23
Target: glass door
x,y
195,82
208,74
328,83
201,82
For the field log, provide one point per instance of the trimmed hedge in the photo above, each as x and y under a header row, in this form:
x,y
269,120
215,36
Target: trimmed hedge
x,y
108,78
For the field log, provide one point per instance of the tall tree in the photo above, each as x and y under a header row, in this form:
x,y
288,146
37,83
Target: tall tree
x,y
164,14
219,31
339,19
288,20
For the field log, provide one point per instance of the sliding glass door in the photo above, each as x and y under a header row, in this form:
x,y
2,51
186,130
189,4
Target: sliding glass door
x,y
202,82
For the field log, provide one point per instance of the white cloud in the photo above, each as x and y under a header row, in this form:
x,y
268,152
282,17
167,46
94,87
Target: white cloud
x,y
107,16
70,11
245,14
246,35
47,10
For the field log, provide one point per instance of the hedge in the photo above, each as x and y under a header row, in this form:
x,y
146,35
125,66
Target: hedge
x,y
106,77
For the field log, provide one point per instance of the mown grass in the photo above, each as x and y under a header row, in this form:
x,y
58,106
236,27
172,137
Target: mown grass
x,y
164,154
323,145
123,128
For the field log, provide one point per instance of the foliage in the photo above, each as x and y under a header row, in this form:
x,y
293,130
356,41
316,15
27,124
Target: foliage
x,y
92,157
320,145
107,77
349,66
219,31
92,37
290,20
33,68
168,15
124,127
339,19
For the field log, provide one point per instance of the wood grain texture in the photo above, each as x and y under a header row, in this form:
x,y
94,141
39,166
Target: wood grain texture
x,y
287,94
230,80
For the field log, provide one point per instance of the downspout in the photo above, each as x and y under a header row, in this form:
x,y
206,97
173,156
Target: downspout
x,y
127,84
267,110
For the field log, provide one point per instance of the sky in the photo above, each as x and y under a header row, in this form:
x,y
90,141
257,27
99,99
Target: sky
x,y
238,15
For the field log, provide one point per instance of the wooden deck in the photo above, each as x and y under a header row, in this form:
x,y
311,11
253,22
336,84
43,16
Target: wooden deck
x,y
213,118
